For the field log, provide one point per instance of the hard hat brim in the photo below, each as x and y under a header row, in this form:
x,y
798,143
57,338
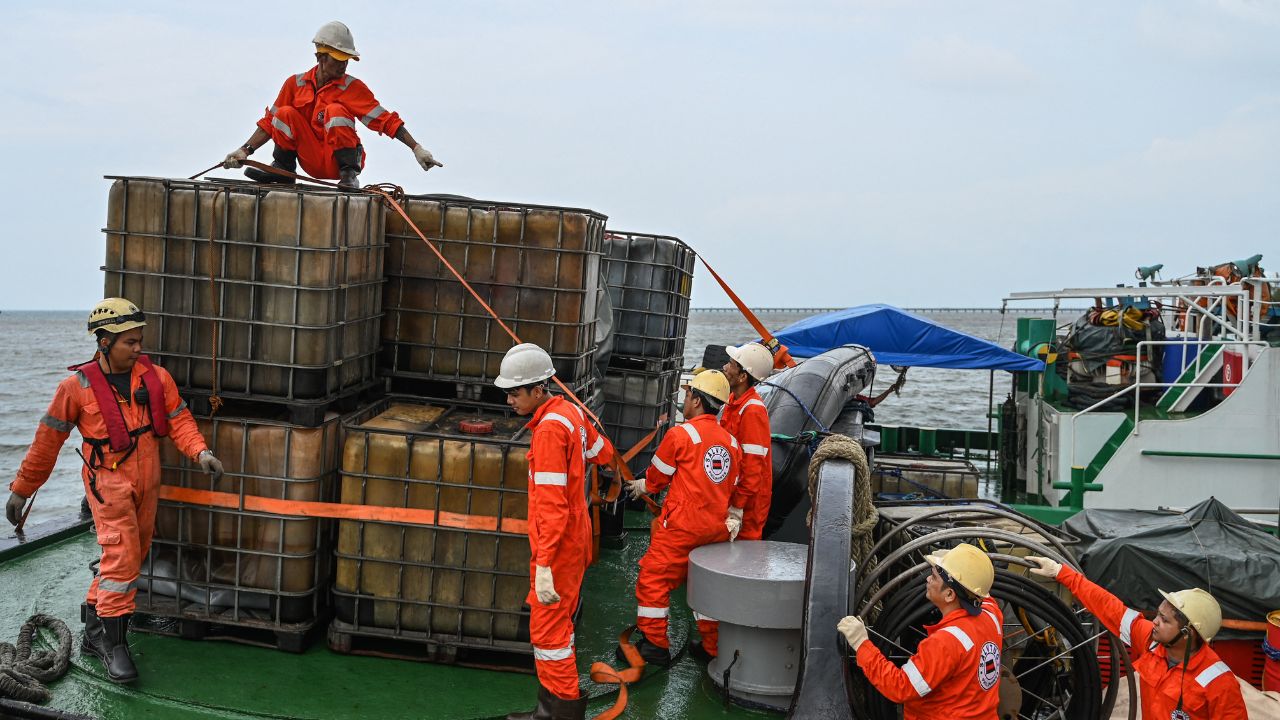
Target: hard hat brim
x,y
336,54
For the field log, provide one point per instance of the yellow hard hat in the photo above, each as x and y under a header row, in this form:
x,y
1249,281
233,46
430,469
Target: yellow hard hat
x,y
713,383
1202,612
968,566
115,315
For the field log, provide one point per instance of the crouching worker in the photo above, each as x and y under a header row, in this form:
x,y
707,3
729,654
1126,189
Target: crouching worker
x,y
1182,677
955,672
122,405
559,524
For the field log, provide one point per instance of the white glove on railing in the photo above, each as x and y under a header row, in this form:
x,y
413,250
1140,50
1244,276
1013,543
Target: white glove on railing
x,y
235,158
733,522
543,586
853,630
1047,568
636,487
424,157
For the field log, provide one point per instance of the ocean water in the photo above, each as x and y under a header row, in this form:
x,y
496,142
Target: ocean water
x,y
39,346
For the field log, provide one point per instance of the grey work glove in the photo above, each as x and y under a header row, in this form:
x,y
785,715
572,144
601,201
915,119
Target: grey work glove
x,y
210,464
636,487
425,158
543,585
853,630
1046,568
733,522
235,158
13,508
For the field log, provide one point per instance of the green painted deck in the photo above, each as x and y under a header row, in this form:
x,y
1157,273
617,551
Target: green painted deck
x,y
191,679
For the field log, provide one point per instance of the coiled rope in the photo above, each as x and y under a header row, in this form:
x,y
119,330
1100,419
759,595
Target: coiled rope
x,y
24,672
865,516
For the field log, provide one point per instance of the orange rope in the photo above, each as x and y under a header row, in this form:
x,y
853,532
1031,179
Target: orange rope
x,y
781,357
215,402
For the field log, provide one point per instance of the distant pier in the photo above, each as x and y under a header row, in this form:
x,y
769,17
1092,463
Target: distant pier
x,y
815,311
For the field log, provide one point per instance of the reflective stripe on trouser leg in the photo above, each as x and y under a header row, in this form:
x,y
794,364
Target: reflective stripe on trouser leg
x,y
709,631
315,157
551,633
662,569
287,127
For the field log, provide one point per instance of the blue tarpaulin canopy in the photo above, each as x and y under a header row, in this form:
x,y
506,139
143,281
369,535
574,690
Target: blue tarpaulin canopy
x,y
897,337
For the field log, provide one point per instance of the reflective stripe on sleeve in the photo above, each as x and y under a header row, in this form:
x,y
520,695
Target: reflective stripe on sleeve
x,y
960,635
1211,673
693,433
550,478
651,612
1126,625
917,680
58,425
662,467
176,411
750,449
566,422
280,125
595,449
373,114
339,122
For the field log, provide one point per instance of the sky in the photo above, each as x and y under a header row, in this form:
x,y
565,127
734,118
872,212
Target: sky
x,y
817,154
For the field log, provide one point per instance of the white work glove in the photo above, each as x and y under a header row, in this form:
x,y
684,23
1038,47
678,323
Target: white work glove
x,y
853,630
235,158
424,157
543,586
733,522
636,487
210,464
13,508
1047,568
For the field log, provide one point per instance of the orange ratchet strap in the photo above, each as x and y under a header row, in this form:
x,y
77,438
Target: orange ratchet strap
x,y
605,674
781,357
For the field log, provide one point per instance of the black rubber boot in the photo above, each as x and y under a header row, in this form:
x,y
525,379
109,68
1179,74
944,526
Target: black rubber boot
x,y
652,654
283,159
119,663
551,707
95,636
699,652
348,168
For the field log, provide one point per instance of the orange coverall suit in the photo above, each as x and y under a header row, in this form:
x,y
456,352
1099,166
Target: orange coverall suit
x,y
125,519
1209,689
746,419
700,460
314,122
955,673
559,533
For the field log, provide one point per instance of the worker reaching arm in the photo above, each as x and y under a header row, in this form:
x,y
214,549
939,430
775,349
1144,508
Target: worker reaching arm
x,y
313,120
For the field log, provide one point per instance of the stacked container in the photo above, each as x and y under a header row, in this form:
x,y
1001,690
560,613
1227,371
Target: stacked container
x,y
536,267
649,279
270,298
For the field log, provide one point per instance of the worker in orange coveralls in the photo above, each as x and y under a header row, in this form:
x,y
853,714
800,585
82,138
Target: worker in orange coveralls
x,y
700,461
313,120
955,673
1182,677
746,418
122,405
559,524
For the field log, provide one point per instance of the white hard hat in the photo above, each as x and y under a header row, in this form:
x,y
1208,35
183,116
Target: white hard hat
x,y
754,358
337,36
524,364
1202,612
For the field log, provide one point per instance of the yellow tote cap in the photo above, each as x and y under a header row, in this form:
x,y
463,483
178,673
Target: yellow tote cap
x,y
335,53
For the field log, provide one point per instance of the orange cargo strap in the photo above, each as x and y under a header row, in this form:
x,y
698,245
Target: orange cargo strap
x,y
781,358
342,511
605,674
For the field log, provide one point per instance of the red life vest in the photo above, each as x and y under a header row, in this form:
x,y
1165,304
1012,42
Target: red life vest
x,y
118,434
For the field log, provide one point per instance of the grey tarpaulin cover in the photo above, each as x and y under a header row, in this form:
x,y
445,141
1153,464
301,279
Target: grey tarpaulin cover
x,y
1131,553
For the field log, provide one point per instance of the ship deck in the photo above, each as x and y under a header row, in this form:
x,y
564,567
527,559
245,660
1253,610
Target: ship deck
x,y
202,679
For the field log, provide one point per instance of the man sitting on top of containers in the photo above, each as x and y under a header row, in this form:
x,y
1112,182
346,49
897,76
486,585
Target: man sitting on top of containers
x,y
122,406
700,460
313,120
559,524
1181,676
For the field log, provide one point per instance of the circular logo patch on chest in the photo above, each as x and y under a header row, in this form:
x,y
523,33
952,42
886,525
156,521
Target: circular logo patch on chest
x,y
717,462
989,666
